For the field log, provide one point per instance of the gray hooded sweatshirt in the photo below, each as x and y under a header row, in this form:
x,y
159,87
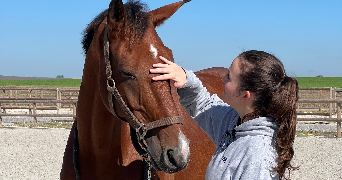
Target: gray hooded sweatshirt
x,y
245,152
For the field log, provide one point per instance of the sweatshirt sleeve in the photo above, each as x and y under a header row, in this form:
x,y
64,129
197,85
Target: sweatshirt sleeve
x,y
213,115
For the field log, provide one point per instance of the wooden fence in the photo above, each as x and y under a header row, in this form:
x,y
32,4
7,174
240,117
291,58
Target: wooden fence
x,y
320,109
34,99
34,108
338,119
55,98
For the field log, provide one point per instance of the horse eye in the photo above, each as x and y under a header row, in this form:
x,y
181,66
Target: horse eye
x,y
129,75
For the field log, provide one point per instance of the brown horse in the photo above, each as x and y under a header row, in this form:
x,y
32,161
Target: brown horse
x,y
121,45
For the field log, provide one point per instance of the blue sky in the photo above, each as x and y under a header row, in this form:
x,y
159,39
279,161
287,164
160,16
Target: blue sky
x,y
40,38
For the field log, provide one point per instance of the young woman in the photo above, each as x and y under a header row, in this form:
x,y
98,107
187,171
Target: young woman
x,y
259,145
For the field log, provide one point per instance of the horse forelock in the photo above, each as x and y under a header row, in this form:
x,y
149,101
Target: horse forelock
x,y
136,23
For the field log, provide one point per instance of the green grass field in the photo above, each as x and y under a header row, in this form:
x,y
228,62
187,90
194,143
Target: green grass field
x,y
43,83
303,82
308,82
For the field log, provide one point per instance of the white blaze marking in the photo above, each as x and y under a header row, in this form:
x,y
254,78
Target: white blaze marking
x,y
154,51
183,145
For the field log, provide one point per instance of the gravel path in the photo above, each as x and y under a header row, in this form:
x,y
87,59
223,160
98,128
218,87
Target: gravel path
x,y
31,153
318,158
37,154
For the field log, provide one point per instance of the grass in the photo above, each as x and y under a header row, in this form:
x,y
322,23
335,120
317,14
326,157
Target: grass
x,y
311,133
43,83
309,82
303,82
42,125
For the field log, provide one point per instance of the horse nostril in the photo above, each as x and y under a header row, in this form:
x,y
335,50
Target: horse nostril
x,y
171,157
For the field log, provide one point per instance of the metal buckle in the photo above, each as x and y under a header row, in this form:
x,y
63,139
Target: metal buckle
x,y
111,80
141,131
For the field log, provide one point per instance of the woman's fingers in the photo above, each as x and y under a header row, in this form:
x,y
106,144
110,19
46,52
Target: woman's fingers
x,y
160,70
165,60
168,71
162,77
160,65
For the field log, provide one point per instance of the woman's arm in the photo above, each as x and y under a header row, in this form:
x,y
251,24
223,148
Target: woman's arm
x,y
213,115
210,112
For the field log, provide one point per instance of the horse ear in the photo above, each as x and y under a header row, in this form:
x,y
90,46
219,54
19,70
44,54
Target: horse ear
x,y
116,15
158,16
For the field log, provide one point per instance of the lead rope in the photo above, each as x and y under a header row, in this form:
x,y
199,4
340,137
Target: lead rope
x,y
76,152
148,170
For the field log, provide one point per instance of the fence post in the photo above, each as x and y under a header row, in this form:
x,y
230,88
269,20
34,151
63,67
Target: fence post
x,y
30,105
339,122
320,107
10,95
0,116
69,98
60,98
16,96
335,104
41,96
74,110
330,104
57,104
34,114
4,95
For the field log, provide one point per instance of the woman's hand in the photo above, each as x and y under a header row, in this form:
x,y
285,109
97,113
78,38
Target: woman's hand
x,y
170,71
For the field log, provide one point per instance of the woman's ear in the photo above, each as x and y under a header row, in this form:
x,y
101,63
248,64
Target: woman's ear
x,y
247,95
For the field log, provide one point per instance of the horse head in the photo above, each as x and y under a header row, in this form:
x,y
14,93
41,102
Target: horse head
x,y
133,45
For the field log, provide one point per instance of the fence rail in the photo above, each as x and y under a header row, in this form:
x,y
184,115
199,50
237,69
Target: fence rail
x,y
33,107
14,98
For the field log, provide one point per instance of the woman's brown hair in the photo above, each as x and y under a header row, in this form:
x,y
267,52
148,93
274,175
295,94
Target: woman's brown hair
x,y
276,96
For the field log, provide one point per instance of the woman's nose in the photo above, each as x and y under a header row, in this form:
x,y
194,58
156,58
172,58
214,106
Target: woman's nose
x,y
224,79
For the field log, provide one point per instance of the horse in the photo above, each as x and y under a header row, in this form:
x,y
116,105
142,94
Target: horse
x,y
127,123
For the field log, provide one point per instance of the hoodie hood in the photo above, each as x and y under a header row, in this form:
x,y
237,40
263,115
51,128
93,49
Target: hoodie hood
x,y
265,126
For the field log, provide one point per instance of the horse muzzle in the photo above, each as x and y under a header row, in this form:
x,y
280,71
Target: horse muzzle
x,y
167,158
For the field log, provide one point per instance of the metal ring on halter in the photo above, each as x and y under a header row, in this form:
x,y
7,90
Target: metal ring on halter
x,y
110,80
142,134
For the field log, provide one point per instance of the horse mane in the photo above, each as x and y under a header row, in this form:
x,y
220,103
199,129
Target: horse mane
x,y
89,31
136,23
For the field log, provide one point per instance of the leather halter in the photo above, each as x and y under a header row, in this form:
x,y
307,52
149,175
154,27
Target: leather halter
x,y
141,129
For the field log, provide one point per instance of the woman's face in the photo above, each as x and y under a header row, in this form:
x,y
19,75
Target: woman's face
x,y
231,79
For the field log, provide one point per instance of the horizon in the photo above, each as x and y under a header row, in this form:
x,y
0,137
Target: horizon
x,y
43,38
